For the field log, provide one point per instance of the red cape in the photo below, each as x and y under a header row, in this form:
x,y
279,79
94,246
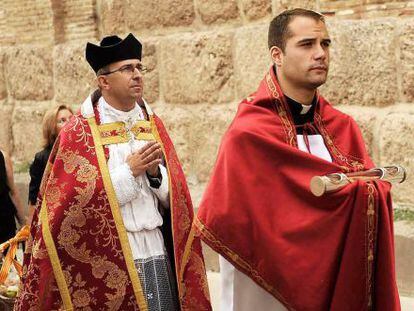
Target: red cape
x,y
78,255
333,252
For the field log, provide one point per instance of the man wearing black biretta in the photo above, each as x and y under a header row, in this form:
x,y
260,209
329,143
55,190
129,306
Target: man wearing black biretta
x,y
116,204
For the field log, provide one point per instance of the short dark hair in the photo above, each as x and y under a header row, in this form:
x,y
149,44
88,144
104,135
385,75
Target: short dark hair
x,y
279,27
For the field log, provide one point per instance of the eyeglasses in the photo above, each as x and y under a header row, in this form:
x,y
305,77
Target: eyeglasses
x,y
128,69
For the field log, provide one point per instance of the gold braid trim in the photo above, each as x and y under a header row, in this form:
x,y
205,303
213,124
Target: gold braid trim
x,y
54,259
187,251
370,241
351,163
283,114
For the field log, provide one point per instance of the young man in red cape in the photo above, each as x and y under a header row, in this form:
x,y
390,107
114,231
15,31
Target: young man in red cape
x,y
112,227
282,248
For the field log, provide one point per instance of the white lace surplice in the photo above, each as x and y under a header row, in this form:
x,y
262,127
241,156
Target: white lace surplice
x,y
138,201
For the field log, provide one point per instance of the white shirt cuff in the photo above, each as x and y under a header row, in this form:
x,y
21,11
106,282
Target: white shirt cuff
x,y
162,193
126,187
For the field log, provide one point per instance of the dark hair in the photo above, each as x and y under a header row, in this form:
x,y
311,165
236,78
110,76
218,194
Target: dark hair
x,y
279,27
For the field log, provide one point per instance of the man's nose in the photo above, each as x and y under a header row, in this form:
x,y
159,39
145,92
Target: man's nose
x,y
137,73
320,52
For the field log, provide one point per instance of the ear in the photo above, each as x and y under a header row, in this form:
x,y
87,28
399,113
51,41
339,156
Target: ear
x,y
103,82
276,55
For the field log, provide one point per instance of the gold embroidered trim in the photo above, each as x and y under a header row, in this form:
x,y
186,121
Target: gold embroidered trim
x,y
142,127
351,163
281,110
113,140
220,248
370,241
54,259
116,132
187,251
113,202
290,132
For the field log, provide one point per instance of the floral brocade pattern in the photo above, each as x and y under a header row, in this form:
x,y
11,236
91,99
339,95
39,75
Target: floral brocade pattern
x,y
84,234
91,266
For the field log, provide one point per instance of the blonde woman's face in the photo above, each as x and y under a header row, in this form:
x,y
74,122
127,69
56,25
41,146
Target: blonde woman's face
x,y
62,117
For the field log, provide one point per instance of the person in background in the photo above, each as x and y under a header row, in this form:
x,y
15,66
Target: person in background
x,y
53,121
10,204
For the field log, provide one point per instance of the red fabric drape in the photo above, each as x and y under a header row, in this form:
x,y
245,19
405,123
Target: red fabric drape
x,y
333,252
84,232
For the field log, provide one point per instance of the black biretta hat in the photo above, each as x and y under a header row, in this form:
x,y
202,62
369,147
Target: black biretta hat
x,y
112,49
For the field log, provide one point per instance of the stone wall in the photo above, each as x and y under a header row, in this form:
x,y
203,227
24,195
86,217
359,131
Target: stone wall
x,y
204,56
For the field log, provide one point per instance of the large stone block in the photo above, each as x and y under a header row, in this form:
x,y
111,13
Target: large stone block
x,y
363,63
29,74
187,126
79,19
6,139
4,36
252,59
406,35
26,20
366,118
3,86
404,254
148,14
177,120
396,145
197,191
197,68
217,11
151,78
328,5
339,81
111,17
280,5
255,9
27,129
206,130
74,79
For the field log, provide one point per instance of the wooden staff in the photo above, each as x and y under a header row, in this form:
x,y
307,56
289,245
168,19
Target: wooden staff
x,y
320,185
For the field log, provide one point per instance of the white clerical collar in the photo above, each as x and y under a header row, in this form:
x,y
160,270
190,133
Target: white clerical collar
x,y
87,107
119,114
305,109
